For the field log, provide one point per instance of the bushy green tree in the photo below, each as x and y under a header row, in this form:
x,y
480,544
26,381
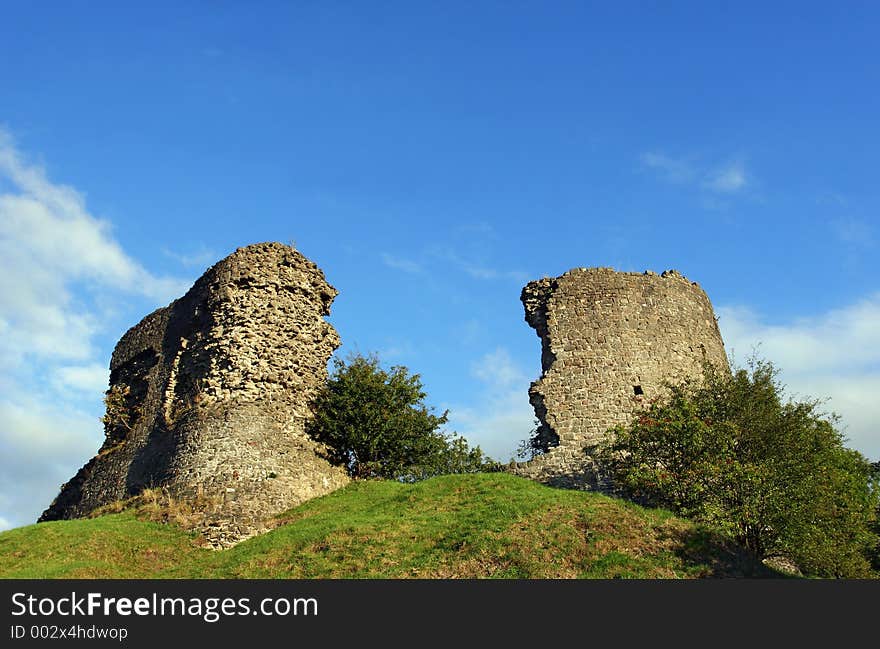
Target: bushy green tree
x,y
540,440
773,474
376,424
875,555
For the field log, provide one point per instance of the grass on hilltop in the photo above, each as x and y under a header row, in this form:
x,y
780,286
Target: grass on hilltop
x,y
478,525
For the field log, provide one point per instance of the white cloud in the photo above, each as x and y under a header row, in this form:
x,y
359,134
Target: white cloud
x,y
396,349
476,270
448,256
472,330
41,446
504,417
91,379
480,229
49,243
833,355
844,338
201,258
4,524
406,265
62,276
37,430
498,371
672,169
854,232
728,179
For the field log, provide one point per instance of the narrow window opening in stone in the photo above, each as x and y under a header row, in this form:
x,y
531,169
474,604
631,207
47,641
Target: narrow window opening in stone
x,y
638,390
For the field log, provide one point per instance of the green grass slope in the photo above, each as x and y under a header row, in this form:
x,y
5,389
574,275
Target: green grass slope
x,y
483,525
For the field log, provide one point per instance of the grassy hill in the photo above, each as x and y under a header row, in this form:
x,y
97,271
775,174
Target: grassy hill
x,y
483,525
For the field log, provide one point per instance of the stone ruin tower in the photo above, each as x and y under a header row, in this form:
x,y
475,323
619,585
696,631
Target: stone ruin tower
x,y
214,392
609,340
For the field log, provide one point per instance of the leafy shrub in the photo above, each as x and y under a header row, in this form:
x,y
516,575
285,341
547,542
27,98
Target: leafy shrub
x,y
875,554
540,441
376,424
773,474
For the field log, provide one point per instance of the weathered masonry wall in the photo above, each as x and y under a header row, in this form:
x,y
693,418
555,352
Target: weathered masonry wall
x,y
609,340
218,387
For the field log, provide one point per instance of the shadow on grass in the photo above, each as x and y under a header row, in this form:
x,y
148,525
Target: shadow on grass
x,y
722,557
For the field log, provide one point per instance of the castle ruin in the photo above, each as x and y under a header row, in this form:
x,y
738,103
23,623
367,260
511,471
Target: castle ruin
x,y
210,396
609,341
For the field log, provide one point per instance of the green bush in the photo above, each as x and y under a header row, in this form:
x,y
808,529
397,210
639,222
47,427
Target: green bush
x,y
376,424
772,474
875,554
540,440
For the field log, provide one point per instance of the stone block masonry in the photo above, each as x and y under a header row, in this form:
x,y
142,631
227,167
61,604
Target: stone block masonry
x,y
609,341
215,390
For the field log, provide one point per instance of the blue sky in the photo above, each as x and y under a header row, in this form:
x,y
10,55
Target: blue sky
x,y
432,158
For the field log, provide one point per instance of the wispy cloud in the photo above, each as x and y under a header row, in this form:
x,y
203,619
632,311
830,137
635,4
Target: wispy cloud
x,y
674,170
399,263
498,371
89,379
727,178
504,417
46,222
448,257
472,330
200,258
49,243
60,268
42,444
396,350
834,355
477,270
835,199
853,232
478,229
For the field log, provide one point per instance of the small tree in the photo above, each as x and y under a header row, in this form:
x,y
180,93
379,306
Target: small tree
x,y
376,424
540,440
875,482
117,418
774,475
116,408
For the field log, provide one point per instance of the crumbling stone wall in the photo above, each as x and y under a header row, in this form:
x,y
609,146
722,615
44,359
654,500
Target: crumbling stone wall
x,y
609,340
216,389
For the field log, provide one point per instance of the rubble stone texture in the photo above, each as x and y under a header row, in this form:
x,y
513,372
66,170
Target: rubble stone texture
x,y
217,389
609,341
